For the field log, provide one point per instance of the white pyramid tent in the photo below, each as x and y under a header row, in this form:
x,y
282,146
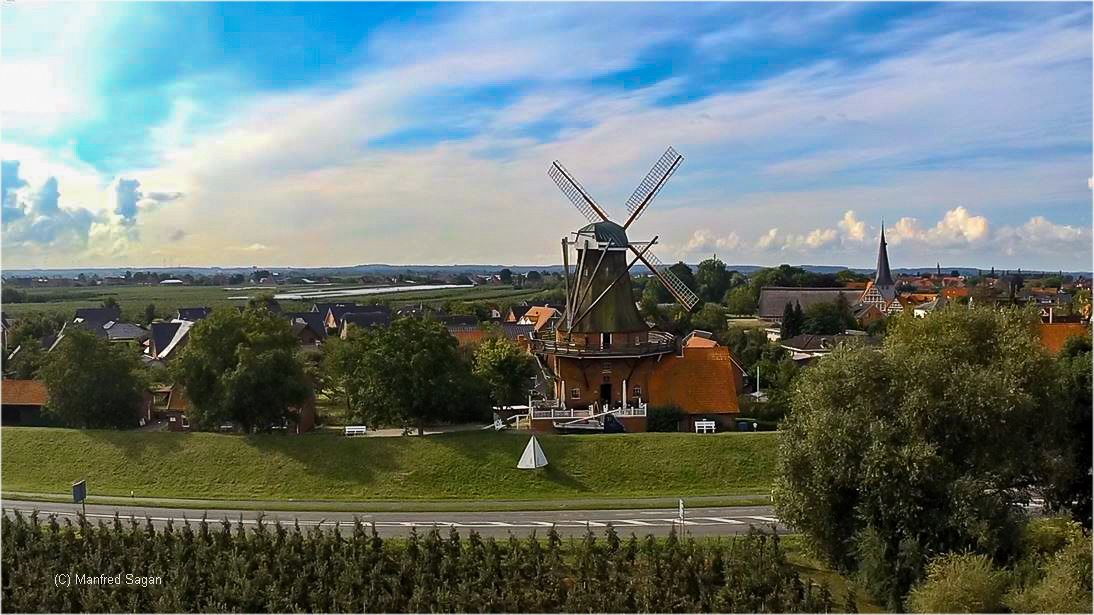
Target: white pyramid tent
x,y
532,457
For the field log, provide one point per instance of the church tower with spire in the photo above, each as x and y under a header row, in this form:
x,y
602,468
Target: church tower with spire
x,y
881,291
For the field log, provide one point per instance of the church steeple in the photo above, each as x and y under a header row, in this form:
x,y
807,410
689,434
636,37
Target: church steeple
x,y
883,277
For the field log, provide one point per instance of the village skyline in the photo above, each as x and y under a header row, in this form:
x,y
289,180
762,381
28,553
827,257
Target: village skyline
x,y
418,134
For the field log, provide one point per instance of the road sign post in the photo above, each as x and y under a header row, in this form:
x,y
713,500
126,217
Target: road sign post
x,y
79,494
682,527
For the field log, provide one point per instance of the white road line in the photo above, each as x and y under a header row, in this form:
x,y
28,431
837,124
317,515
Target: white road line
x,y
677,520
723,520
542,523
635,522
768,519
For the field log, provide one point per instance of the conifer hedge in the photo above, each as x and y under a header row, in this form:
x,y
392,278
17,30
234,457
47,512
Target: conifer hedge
x,y
221,567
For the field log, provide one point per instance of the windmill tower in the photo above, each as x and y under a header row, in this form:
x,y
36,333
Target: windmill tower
x,y
602,349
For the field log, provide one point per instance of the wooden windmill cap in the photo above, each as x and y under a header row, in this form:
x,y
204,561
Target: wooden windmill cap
x,y
603,233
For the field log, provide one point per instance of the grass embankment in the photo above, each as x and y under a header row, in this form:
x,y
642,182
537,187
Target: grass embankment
x,y
468,465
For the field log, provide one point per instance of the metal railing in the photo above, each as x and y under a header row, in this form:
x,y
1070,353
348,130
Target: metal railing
x,y
553,409
658,344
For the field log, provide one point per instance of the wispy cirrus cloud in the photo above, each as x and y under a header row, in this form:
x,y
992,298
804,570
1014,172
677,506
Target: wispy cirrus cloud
x,y
429,144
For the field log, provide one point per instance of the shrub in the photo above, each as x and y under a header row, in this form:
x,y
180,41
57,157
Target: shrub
x,y
664,418
959,583
1064,582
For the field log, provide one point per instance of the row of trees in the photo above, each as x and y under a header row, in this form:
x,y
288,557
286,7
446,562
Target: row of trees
x,y
205,568
933,444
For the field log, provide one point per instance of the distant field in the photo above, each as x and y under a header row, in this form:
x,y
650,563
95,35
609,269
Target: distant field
x,y
468,465
167,299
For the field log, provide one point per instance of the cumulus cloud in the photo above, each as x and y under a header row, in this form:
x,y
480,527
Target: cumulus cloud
x,y
1041,235
853,228
704,241
956,228
128,199
35,217
254,247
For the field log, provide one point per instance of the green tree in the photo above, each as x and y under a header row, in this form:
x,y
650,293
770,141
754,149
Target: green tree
x,y
711,317
111,302
740,301
1068,462
793,321
712,280
150,313
11,295
506,368
828,318
92,384
408,374
242,368
927,444
683,271
27,362
506,275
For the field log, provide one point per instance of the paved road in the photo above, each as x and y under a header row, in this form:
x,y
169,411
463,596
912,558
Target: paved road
x,y
697,521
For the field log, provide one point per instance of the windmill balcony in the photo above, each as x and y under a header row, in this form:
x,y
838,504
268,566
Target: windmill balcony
x,y
554,409
658,343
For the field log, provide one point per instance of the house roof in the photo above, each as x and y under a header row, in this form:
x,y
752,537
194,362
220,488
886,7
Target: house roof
x,y
312,320
23,393
699,339
466,334
699,381
539,315
773,299
162,334
126,331
1054,335
808,342
512,330
100,315
177,340
366,319
603,232
518,311
193,314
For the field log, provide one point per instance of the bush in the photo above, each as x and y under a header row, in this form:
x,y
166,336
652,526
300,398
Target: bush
x,y
1063,582
664,418
959,583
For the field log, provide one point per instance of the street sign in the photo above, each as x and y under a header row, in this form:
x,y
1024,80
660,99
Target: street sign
x,y
79,491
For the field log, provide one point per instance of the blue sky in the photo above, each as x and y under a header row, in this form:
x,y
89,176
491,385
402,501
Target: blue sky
x,y
320,134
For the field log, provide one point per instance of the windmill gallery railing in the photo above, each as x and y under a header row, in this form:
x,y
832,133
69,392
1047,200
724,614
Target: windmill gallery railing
x,y
658,343
554,409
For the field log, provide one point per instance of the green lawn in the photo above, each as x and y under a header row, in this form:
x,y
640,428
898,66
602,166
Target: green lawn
x,y
467,465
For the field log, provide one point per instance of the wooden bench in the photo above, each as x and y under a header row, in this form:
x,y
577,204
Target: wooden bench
x,y
354,430
705,426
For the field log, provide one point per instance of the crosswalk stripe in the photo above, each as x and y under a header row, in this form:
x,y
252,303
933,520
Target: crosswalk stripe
x,y
633,522
723,520
768,519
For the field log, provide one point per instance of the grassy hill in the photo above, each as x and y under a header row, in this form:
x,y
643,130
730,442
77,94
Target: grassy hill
x,y
468,465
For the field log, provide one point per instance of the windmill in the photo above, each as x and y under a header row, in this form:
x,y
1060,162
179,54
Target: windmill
x,y
600,298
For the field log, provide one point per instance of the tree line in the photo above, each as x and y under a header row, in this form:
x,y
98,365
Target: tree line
x,y
895,461
206,567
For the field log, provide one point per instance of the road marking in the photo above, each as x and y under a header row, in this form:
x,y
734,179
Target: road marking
x,y
635,522
723,520
677,520
768,519
542,523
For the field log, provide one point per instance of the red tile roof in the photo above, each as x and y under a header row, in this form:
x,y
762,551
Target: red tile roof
x,y
23,393
1053,335
702,381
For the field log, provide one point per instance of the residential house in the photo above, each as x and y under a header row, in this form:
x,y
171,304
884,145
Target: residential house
x,y
703,381
362,320
773,299
925,308
22,402
1053,336
193,314
307,327
807,346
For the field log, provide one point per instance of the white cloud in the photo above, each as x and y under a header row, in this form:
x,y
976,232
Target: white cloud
x,y
957,228
853,228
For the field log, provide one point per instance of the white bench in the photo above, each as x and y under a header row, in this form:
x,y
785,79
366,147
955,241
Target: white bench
x,y
354,430
705,426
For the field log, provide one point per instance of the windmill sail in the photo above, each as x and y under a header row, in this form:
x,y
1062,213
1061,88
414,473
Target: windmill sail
x,y
675,285
652,184
533,456
577,195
